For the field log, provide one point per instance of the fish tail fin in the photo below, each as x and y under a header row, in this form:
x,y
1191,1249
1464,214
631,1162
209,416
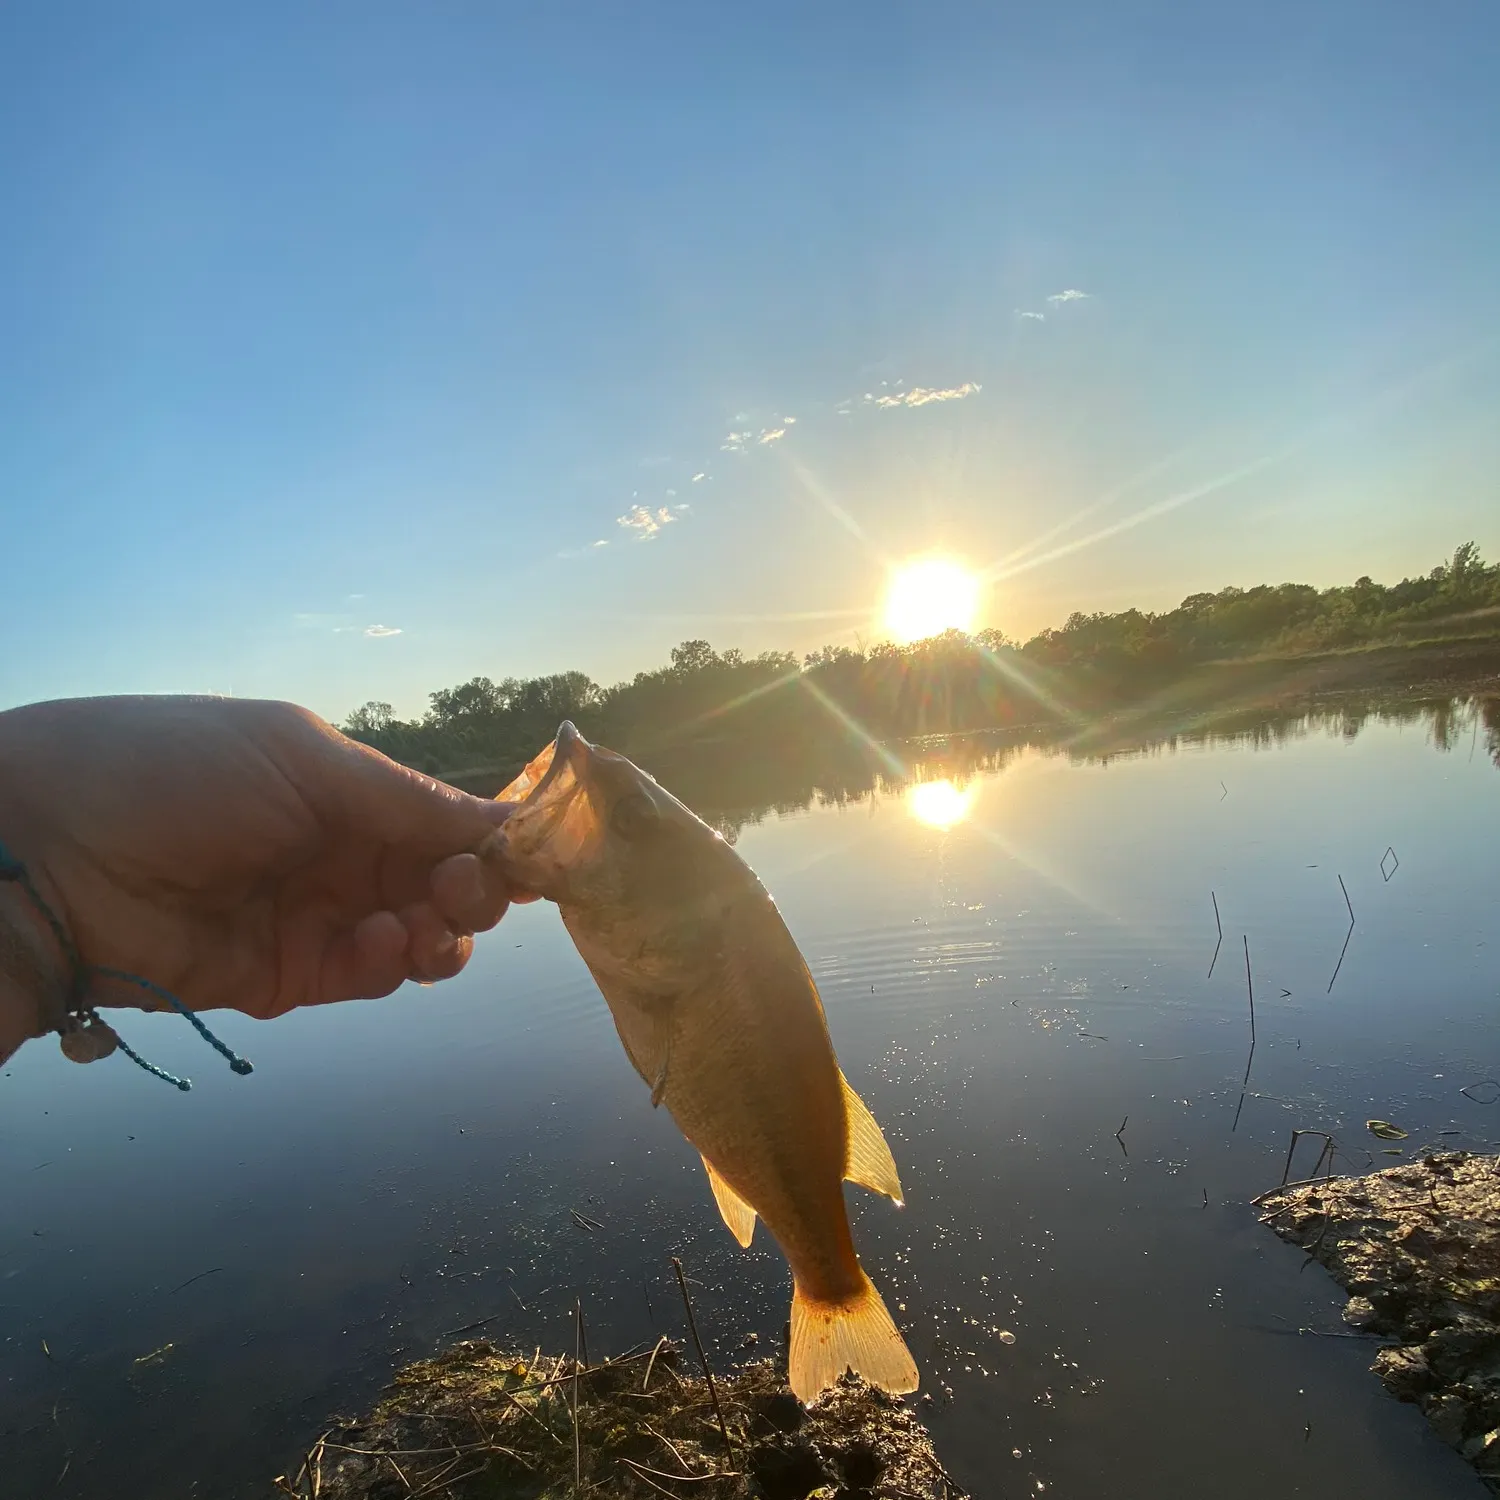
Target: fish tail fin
x,y
856,1333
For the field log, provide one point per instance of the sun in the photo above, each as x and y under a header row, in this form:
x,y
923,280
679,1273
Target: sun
x,y
939,804
928,596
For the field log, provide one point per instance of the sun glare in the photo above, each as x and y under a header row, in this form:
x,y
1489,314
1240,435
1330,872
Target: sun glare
x,y
939,804
929,596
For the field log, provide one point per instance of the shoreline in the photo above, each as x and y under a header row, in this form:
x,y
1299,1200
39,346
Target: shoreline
x,y
478,1423
1417,1247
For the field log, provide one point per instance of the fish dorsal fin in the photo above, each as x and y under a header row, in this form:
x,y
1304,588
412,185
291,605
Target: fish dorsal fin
x,y
870,1161
738,1214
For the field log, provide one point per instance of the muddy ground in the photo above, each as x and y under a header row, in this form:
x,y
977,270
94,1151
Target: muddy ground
x,y
479,1423
1418,1250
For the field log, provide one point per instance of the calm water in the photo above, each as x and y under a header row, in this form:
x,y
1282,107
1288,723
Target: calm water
x,y
1003,991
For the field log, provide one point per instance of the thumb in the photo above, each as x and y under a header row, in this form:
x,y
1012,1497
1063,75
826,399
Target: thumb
x,y
410,811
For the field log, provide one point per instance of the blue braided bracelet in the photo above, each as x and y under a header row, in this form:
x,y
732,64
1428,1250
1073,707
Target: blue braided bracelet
x,y
80,1016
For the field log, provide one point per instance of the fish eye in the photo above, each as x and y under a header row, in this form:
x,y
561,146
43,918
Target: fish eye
x,y
633,816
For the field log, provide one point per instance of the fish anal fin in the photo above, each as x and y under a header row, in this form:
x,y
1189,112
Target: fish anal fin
x,y
856,1333
870,1162
738,1214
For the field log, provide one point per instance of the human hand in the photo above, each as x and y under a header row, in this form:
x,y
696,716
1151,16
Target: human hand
x,y
242,854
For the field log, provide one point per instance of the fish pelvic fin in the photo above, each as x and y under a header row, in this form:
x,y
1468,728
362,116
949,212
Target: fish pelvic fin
x,y
737,1214
870,1162
855,1334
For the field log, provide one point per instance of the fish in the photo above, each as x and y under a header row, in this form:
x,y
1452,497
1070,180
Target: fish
x,y
719,1015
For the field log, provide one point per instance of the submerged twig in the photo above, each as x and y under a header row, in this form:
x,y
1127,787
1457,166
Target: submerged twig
x,y
212,1271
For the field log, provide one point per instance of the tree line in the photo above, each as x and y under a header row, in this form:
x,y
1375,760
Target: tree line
x,y
947,684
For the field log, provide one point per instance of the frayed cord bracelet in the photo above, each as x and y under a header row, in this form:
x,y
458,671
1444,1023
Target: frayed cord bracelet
x,y
86,1037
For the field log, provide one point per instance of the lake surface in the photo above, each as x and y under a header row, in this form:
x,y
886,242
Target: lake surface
x,y
1004,991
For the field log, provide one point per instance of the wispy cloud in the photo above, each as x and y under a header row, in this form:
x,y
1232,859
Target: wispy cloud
x,y
1071,295
734,442
699,477
921,395
1035,317
645,522
771,435
380,632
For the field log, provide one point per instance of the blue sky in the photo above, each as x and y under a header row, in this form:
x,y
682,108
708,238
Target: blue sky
x,y
333,338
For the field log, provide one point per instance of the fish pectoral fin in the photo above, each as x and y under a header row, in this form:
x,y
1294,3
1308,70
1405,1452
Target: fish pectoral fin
x,y
738,1214
870,1162
659,1083
645,1031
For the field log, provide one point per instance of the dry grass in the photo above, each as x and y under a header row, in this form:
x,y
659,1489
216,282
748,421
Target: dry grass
x,y
476,1423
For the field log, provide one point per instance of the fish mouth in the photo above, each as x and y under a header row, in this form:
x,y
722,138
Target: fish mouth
x,y
569,751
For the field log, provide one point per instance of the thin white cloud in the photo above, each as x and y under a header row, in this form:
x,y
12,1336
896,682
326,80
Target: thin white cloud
x,y
645,523
1035,317
921,395
1072,294
734,442
771,435
380,632
600,543
699,477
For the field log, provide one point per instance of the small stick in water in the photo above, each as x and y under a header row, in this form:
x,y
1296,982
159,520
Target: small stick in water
x,y
703,1358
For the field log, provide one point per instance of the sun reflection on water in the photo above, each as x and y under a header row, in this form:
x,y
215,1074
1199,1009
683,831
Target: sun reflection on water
x,y
939,804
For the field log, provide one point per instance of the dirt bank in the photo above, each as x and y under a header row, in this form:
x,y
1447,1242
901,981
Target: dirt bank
x,y
1418,1250
480,1422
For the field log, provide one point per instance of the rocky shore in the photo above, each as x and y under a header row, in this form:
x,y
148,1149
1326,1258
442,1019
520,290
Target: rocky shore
x,y
1417,1248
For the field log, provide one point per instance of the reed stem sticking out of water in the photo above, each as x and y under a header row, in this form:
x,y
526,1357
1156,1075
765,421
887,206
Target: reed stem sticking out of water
x,y
1220,926
1249,1060
1250,987
1342,951
708,1373
577,1362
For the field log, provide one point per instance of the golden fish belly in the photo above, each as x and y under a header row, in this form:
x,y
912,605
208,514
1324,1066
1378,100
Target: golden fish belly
x,y
760,1096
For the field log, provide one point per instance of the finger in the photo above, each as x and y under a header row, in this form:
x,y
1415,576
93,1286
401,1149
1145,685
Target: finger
x,y
368,961
469,893
433,951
